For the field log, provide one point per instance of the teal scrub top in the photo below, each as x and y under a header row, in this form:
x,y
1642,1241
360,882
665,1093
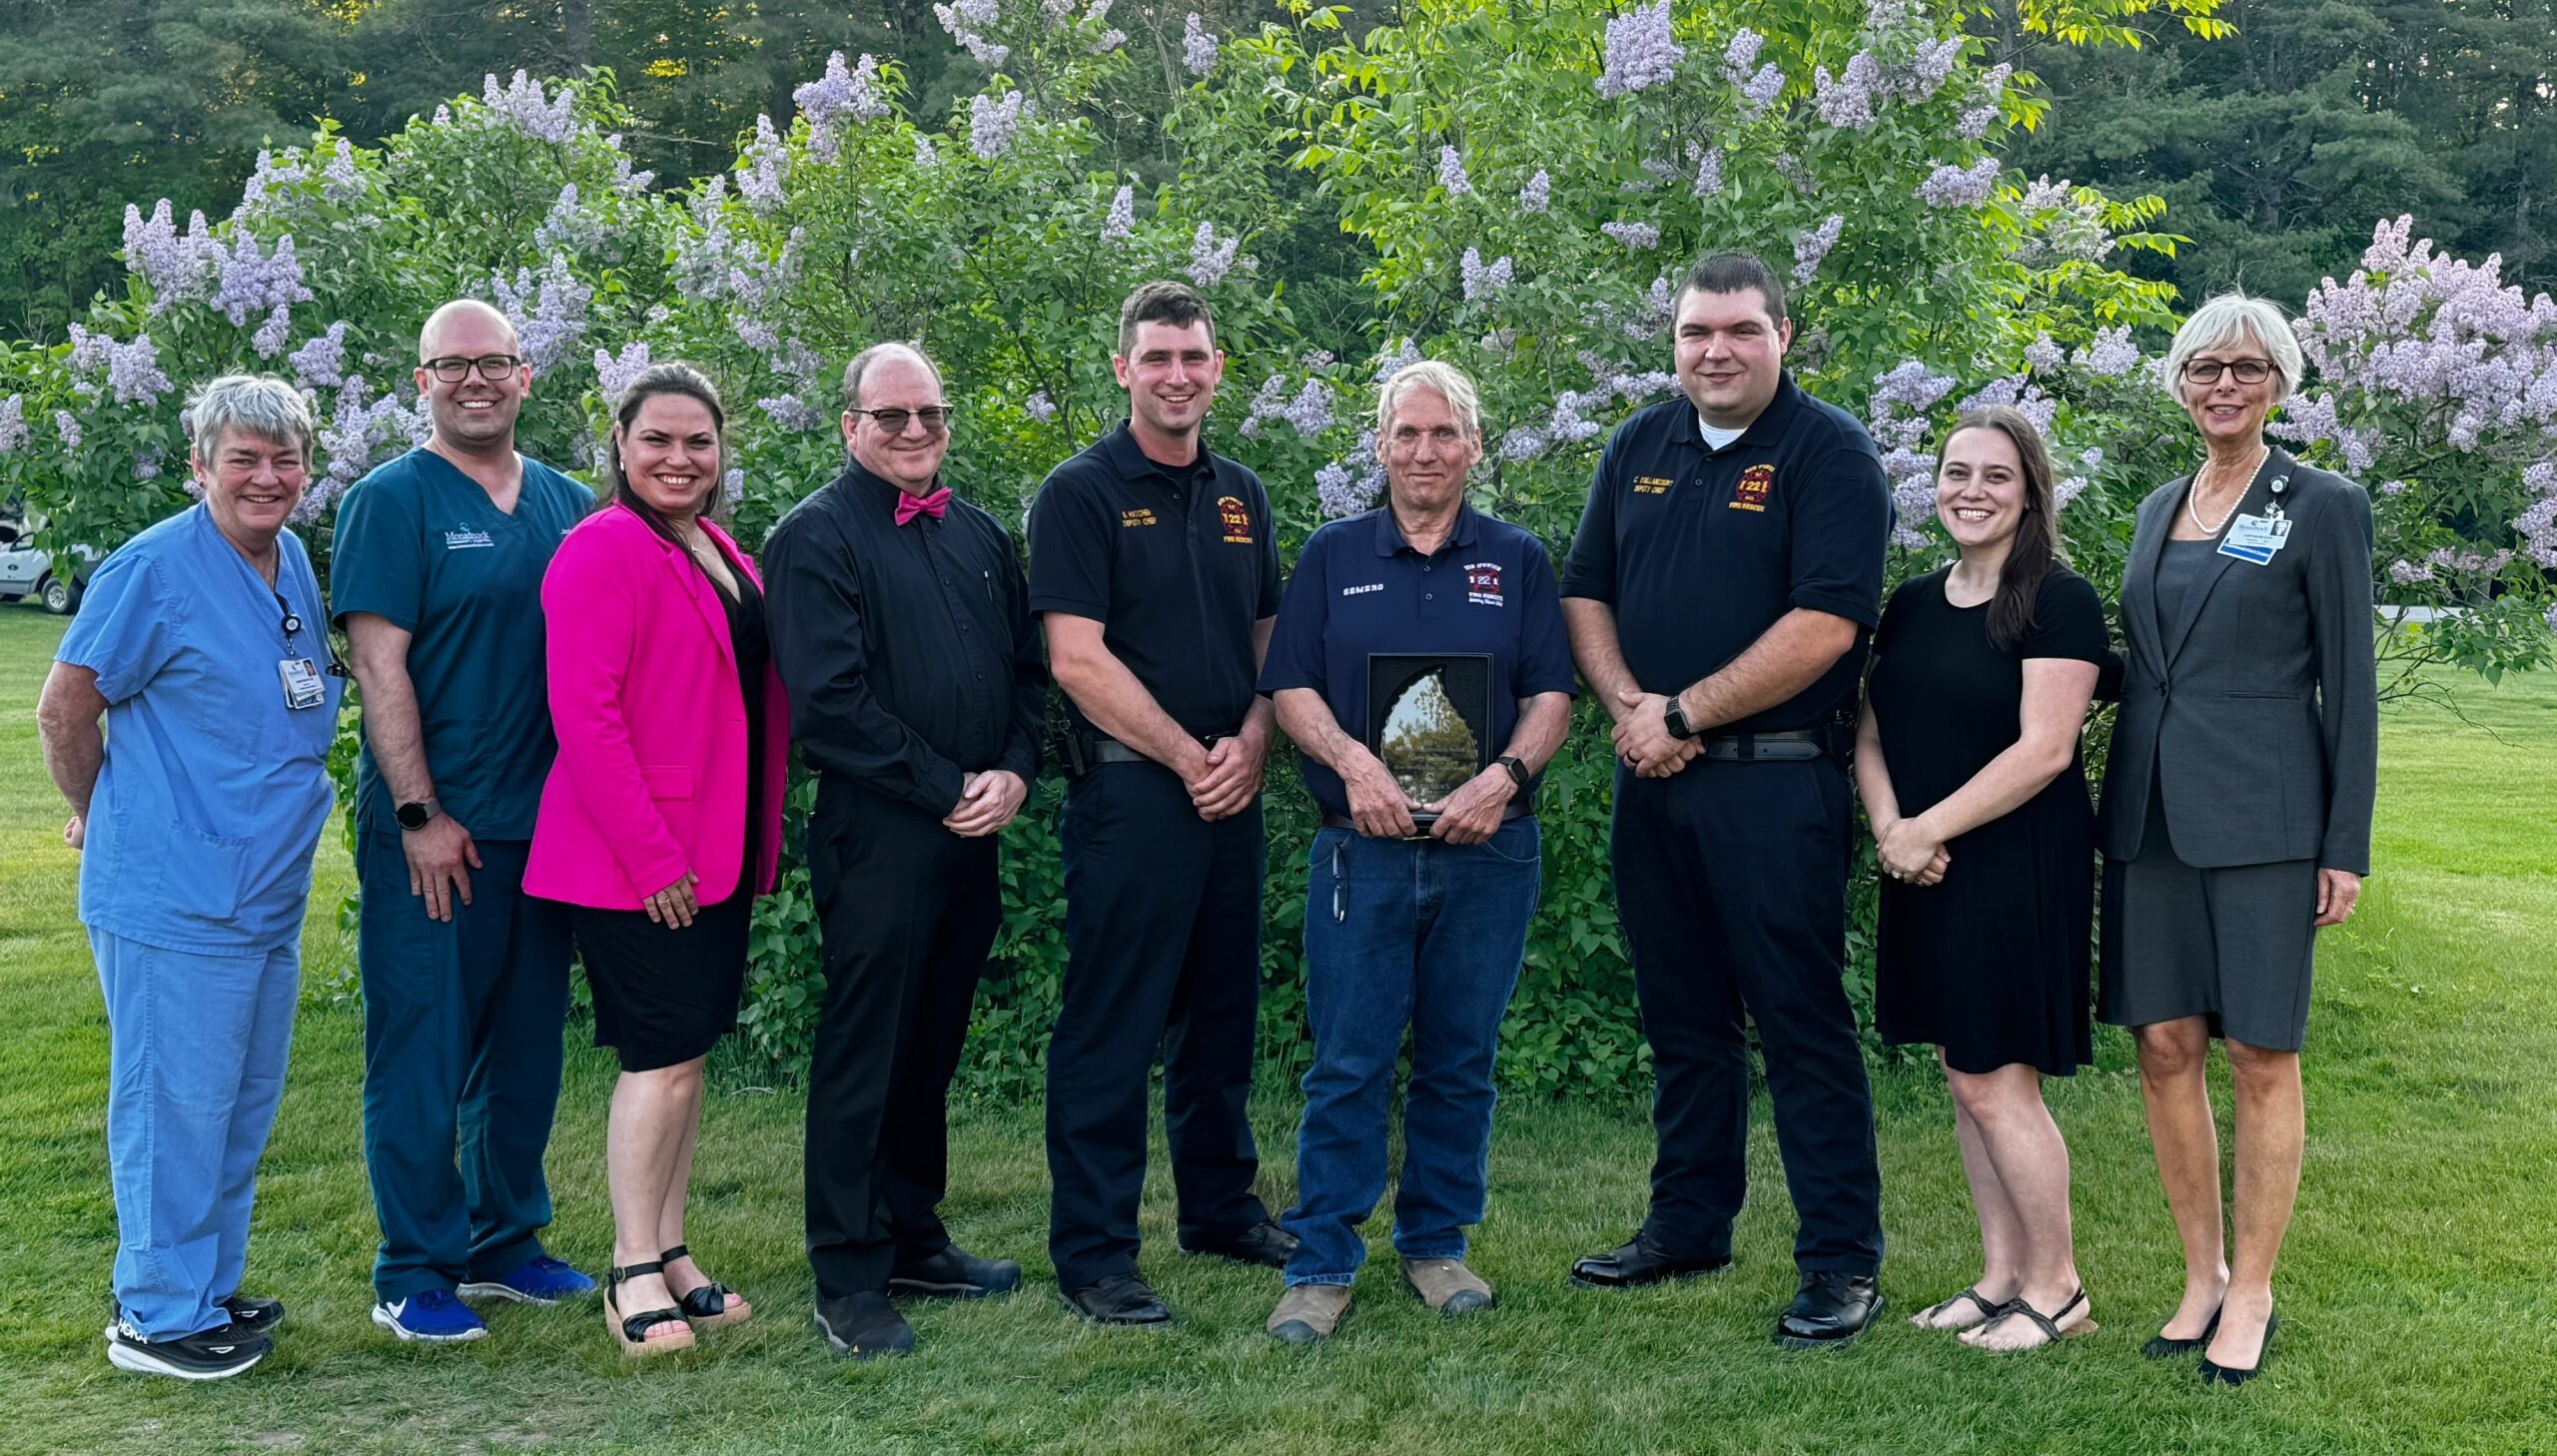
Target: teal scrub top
x,y
215,789
418,544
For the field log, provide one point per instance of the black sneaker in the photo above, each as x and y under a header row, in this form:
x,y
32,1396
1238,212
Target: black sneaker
x,y
954,1273
864,1326
210,1354
251,1314
1263,1244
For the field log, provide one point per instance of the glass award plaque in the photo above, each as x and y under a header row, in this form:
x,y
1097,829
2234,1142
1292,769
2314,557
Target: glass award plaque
x,y
1430,721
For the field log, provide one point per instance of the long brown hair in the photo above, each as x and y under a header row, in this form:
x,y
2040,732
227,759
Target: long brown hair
x,y
2037,548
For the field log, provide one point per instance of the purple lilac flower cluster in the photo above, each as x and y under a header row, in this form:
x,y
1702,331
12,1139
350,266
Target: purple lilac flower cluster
x,y
2045,355
523,106
1896,420
1636,235
1038,406
133,367
1210,260
1120,224
967,22
548,310
2537,526
1538,194
1395,361
1846,100
321,363
1451,173
1975,122
757,282
252,282
1813,244
844,97
178,266
2018,391
614,372
1708,160
1482,279
2111,354
2066,225
764,168
269,175
992,123
66,427
13,423
356,429
273,334
790,411
341,180
1959,187
1643,51
568,226
1198,46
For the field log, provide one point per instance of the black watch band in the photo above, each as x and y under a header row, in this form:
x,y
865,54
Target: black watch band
x,y
1674,718
1517,770
417,814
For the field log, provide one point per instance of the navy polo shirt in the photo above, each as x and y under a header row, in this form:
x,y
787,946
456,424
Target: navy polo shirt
x,y
1700,550
1177,563
1360,588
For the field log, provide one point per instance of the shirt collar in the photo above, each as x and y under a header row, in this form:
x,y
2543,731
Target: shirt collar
x,y
1389,539
1767,430
1132,463
858,480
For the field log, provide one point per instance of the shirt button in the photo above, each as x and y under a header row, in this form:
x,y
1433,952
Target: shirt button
x,y
1429,596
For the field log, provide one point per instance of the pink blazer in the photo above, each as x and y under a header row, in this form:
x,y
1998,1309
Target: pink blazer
x,y
651,776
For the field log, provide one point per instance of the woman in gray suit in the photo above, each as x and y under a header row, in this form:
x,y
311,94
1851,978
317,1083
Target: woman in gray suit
x,y
2237,805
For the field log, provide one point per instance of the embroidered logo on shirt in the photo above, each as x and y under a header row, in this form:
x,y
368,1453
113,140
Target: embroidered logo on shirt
x,y
1482,583
1137,517
1363,590
464,538
1751,492
1650,485
1237,521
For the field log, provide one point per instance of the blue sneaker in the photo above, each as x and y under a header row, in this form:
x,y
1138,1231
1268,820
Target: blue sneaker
x,y
539,1281
429,1314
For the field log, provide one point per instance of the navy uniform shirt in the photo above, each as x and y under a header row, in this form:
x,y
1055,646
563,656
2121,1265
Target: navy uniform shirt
x,y
1176,562
420,546
1359,588
907,650
1700,550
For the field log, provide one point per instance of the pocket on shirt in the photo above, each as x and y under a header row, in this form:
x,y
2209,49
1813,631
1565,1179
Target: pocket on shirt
x,y
667,779
200,873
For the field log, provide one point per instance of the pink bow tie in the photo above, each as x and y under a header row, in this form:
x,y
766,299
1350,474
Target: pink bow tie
x,y
936,505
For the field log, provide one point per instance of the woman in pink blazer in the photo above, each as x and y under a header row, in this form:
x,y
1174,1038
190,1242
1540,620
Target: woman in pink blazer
x,y
661,819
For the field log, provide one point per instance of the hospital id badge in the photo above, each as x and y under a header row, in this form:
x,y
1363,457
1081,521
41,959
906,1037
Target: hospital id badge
x,y
2256,537
301,685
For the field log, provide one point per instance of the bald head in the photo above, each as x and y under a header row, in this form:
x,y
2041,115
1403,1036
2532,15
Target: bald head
x,y
871,357
469,316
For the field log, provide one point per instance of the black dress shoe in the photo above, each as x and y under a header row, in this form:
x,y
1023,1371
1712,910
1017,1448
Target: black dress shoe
x,y
1829,1309
1640,1263
954,1273
1118,1300
864,1326
1263,1244
2213,1374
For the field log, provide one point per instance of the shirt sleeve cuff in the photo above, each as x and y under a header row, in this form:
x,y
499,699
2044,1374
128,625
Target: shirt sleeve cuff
x,y
1073,606
1861,610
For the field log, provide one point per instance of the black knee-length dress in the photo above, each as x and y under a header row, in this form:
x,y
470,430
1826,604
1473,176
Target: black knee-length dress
x,y
1990,964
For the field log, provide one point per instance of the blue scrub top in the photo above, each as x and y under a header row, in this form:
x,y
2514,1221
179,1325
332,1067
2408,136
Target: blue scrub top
x,y
1359,588
213,790
418,544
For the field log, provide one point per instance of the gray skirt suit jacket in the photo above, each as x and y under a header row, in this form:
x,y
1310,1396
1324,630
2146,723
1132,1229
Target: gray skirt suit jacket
x,y
2244,757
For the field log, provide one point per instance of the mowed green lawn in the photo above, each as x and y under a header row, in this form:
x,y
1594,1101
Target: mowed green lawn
x,y
2416,1291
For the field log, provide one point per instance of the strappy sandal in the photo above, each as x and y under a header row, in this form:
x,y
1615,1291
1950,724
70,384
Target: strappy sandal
x,y
710,1305
2050,1324
1926,1318
632,1330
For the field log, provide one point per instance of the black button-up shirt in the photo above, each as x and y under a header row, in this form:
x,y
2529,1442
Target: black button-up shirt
x,y
907,651
1177,563
1700,550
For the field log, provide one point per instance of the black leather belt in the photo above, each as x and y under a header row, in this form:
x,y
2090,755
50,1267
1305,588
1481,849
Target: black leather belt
x,y
1514,808
1791,745
1111,750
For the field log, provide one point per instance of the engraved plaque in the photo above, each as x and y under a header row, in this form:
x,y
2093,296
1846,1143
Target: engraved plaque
x,y
1430,721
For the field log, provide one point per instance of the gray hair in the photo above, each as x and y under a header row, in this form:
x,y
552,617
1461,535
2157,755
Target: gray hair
x,y
893,347
2229,318
1448,380
261,404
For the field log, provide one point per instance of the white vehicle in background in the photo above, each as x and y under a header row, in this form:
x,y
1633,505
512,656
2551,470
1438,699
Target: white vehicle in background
x,y
26,571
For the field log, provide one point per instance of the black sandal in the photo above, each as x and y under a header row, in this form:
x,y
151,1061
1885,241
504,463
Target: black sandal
x,y
1925,1318
2048,1323
710,1305
632,1330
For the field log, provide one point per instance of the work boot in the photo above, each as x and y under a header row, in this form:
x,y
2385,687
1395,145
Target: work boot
x,y
1309,1312
1447,1286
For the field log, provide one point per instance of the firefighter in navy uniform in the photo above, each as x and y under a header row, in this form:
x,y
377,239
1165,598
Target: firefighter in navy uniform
x,y
1720,592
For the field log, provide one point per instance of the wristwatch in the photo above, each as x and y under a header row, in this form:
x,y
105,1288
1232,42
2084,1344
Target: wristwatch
x,y
1674,717
417,814
1517,770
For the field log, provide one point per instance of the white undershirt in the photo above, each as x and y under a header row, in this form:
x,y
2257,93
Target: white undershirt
x,y
1718,438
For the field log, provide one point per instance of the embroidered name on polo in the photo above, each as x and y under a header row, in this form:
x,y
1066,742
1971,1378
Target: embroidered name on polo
x,y
466,538
1137,517
1482,583
1650,485
1236,519
1363,590
1751,492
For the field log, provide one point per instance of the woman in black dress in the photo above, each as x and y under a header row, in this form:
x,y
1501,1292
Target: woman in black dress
x,y
1966,759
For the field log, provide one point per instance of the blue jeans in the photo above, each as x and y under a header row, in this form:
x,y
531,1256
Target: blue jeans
x,y
196,1048
1420,935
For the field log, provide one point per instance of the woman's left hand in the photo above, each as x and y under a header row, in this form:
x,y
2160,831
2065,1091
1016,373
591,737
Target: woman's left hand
x,y
1908,851
2336,892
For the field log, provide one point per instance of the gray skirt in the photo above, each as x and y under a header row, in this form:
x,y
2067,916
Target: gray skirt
x,y
2234,945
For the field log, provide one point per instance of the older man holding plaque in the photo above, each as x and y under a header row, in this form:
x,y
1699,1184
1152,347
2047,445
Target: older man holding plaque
x,y
1421,663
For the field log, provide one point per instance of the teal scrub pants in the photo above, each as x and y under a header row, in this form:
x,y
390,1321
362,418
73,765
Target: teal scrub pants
x,y
462,1058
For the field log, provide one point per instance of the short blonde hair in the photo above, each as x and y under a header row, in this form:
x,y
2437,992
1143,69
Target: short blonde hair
x,y
1448,380
2226,320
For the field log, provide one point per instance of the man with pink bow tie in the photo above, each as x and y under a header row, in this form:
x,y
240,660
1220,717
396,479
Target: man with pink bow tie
x,y
900,623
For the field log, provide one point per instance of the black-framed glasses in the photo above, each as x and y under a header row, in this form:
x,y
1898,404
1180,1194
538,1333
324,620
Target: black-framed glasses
x,y
2247,371
452,368
933,417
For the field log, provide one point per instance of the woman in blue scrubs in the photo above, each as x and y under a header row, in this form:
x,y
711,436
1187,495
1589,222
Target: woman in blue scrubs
x,y
202,644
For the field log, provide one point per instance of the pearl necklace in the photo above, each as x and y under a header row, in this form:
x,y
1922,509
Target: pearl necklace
x,y
2193,491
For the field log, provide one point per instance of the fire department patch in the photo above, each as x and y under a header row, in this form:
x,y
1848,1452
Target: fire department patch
x,y
1482,583
1751,492
1237,521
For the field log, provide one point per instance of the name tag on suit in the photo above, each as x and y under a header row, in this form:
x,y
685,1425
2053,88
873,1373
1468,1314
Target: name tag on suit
x,y
2255,539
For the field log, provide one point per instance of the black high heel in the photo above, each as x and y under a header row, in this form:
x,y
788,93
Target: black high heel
x,y
2161,1349
632,1330
2214,1375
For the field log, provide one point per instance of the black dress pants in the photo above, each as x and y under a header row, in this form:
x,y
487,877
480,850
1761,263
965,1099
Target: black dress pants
x,y
1162,942
907,911
1731,885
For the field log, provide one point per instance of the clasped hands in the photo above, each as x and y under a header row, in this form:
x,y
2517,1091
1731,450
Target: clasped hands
x,y
1911,852
1381,810
987,802
1224,779
1642,737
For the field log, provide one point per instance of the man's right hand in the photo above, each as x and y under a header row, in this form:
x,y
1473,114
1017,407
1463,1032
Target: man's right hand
x,y
440,859
1377,804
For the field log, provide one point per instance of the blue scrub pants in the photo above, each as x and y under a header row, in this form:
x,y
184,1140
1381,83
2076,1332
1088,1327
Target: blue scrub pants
x,y
196,1057
462,1058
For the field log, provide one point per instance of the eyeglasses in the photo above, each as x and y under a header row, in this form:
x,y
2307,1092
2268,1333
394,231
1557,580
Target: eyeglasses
x,y
933,417
2247,371
454,369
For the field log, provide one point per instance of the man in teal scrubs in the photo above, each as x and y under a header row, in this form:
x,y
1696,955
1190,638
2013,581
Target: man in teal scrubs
x,y
436,577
